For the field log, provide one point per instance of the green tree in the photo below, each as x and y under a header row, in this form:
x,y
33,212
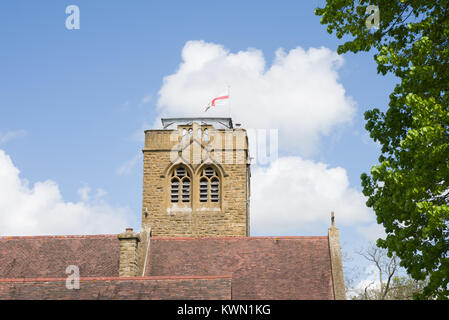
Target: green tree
x,y
404,288
409,188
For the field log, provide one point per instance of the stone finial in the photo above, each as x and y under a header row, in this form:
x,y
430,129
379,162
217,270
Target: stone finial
x,y
332,219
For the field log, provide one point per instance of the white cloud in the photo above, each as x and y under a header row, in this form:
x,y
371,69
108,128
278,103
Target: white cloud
x,y
5,137
84,193
40,209
372,232
100,193
295,197
299,94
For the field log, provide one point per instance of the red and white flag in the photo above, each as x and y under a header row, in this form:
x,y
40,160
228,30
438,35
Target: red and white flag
x,y
215,100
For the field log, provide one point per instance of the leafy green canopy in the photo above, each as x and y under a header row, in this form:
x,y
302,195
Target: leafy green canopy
x,y
409,188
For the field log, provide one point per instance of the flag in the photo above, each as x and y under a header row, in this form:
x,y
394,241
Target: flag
x,y
214,100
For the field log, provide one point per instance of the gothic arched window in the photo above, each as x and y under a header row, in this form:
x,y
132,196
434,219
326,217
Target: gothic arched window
x,y
209,185
180,185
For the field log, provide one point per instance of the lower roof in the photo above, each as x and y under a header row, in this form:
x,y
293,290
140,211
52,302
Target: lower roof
x,y
49,256
260,267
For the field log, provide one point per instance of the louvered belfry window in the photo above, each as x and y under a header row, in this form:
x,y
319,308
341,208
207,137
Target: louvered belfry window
x,y
180,185
209,185
204,184
214,189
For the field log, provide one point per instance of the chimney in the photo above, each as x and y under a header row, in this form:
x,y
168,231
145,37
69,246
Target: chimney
x,y
128,253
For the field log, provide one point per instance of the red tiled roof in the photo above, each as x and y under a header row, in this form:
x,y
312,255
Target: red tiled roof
x,y
152,288
261,267
49,256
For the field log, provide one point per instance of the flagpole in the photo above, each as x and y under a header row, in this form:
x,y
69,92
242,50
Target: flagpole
x,y
229,95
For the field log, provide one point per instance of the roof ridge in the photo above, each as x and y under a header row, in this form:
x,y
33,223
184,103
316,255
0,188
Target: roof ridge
x,y
90,236
174,277
243,237
87,236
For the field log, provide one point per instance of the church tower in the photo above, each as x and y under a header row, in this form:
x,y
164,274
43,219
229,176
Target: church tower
x,y
196,177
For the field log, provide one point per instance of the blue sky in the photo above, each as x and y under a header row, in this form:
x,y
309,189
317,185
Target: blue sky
x,y
73,101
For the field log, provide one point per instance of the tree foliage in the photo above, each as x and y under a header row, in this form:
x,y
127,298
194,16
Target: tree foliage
x,y
409,188
401,288
392,283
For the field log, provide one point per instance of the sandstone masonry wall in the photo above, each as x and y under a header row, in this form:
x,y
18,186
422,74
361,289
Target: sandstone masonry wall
x,y
226,151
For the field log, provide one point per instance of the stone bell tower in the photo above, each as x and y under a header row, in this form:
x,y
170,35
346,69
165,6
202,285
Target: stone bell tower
x,y
196,179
